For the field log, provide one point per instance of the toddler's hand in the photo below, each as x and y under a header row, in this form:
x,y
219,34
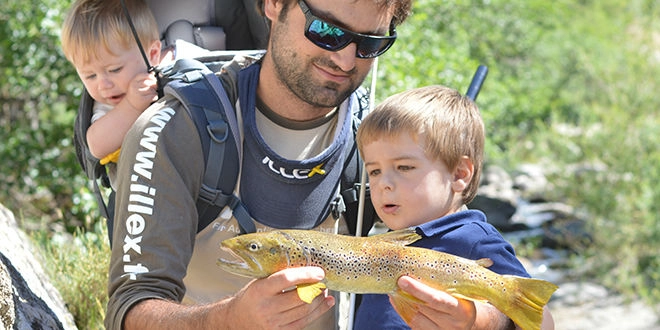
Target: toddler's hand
x,y
142,91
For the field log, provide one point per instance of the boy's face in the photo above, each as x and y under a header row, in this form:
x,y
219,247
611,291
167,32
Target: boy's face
x,y
408,188
107,78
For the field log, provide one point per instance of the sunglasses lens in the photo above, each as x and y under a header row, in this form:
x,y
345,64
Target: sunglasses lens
x,y
327,36
332,38
371,47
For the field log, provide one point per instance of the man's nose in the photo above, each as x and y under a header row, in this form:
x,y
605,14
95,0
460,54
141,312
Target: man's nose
x,y
345,58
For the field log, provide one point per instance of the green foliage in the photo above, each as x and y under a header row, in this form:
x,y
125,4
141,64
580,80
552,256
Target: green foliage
x,y
78,266
38,95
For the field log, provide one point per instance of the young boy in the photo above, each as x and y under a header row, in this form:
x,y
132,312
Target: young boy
x,y
97,39
423,152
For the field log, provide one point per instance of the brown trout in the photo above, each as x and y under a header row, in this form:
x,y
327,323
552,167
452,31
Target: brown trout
x,y
374,264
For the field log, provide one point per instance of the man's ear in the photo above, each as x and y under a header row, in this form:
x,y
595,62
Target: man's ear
x,y
272,9
462,174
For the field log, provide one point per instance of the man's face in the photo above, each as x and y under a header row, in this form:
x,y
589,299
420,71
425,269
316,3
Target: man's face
x,y
317,76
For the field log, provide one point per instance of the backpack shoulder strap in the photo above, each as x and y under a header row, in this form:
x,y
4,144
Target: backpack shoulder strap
x,y
350,182
90,164
201,93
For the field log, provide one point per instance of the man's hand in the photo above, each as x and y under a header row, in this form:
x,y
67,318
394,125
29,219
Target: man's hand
x,y
272,302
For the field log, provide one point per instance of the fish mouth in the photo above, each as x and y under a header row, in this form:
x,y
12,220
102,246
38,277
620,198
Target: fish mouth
x,y
241,265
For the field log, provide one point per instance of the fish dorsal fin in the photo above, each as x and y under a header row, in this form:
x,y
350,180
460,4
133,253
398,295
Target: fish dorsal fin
x,y
485,262
399,237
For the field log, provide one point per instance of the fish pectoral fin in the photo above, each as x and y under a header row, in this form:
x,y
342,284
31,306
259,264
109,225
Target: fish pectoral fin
x,y
405,304
307,292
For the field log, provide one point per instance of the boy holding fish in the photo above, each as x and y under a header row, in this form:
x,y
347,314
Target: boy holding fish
x,y
423,152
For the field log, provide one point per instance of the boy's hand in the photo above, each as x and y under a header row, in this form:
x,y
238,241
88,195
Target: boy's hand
x,y
441,311
142,91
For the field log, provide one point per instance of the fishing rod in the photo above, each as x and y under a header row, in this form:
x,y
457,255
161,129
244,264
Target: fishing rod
x,y
477,82
363,190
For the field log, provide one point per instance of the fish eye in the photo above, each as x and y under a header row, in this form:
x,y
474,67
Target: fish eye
x,y
254,246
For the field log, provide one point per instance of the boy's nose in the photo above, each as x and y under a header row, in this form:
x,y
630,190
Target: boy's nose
x,y
105,83
386,183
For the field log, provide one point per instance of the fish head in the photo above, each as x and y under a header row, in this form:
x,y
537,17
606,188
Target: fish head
x,y
257,255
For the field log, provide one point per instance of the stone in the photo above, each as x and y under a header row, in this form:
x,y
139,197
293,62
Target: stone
x,y
27,298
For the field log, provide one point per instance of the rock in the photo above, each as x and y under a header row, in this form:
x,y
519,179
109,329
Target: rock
x,y
531,181
496,198
27,299
498,212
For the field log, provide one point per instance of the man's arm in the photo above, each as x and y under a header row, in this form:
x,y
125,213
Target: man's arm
x,y
262,304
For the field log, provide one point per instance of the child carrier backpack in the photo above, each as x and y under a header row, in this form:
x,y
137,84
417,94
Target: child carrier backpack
x,y
212,111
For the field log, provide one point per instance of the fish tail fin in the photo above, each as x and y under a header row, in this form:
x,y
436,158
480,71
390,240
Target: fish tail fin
x,y
405,304
528,296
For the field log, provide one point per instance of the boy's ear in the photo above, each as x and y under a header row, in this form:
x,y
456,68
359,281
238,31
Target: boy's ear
x,y
462,174
154,53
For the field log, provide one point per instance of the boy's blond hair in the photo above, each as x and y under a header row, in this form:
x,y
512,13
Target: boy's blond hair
x,y
92,24
447,124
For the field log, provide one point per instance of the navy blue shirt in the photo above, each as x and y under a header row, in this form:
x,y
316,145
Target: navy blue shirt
x,y
465,234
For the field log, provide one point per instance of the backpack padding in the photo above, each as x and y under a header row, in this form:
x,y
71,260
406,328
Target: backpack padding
x,y
207,37
204,98
235,20
197,12
259,25
90,164
87,161
243,26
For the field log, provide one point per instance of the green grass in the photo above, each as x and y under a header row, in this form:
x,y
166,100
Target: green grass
x,y
78,267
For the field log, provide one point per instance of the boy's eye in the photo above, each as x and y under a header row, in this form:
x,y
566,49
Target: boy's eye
x,y
373,173
115,70
405,167
90,76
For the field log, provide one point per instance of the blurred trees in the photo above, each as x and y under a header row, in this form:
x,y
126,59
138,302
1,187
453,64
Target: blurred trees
x,y
40,179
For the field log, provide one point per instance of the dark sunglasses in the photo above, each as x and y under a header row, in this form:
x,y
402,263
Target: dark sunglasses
x,y
333,38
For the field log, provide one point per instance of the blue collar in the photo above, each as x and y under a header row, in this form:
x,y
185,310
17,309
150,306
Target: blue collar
x,y
441,226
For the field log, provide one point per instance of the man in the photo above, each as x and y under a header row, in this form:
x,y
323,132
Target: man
x,y
295,107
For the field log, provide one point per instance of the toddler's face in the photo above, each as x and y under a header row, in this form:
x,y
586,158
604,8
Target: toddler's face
x,y
108,77
407,188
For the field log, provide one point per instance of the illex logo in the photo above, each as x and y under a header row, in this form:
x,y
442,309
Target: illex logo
x,y
298,173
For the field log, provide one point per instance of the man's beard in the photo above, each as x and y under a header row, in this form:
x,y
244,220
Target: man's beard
x,y
297,77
